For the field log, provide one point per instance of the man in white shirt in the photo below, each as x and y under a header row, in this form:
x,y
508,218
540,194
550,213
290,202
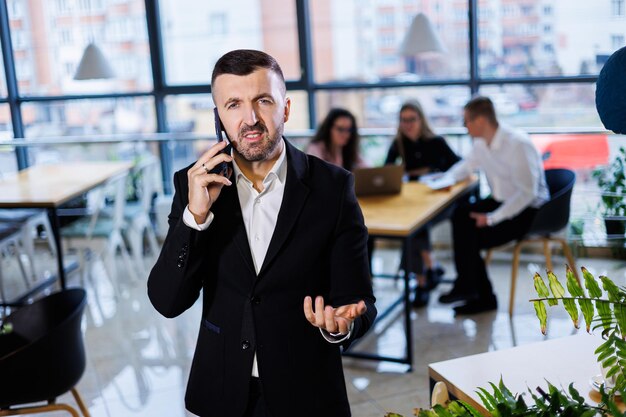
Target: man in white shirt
x,y
278,247
514,172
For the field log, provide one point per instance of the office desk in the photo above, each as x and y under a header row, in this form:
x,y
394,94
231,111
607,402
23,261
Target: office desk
x,y
50,186
400,216
559,361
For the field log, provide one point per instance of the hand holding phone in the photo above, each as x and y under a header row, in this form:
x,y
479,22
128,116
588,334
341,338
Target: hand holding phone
x,y
208,175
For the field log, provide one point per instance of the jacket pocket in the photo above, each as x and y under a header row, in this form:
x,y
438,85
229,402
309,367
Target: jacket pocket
x,y
210,326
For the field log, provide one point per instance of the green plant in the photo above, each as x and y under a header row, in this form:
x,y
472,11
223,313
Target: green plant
x,y
602,306
605,310
503,403
612,183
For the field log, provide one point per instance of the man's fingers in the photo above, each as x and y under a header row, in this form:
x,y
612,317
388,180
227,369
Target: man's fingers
x,y
319,311
361,308
329,320
343,325
308,309
474,215
202,166
210,153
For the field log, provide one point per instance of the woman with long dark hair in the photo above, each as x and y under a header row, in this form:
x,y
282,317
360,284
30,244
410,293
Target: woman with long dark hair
x,y
421,152
420,149
337,140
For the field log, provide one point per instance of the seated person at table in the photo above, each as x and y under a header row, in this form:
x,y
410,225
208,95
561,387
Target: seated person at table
x,y
514,171
421,152
337,140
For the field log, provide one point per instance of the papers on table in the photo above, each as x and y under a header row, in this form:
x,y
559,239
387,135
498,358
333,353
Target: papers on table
x,y
437,181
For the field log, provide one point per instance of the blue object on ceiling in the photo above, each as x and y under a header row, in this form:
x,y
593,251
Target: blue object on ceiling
x,y
611,92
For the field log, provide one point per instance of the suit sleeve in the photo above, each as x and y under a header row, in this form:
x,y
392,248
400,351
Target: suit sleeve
x,y
174,283
350,277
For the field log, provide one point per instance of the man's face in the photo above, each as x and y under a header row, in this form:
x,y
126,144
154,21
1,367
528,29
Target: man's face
x,y
253,110
473,124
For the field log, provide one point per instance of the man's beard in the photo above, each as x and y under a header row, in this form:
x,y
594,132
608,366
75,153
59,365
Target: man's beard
x,y
262,149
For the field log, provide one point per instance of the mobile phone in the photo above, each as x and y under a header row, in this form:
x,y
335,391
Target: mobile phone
x,y
222,167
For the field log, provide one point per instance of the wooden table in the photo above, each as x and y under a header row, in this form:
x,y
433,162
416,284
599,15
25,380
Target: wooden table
x,y
50,186
559,361
400,216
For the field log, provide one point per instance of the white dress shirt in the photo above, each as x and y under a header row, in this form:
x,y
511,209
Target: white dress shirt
x,y
260,213
514,172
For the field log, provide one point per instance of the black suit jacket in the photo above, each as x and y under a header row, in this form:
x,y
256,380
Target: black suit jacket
x,y
318,248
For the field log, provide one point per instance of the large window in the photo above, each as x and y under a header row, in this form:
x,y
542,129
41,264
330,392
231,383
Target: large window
x,y
196,33
537,59
545,105
528,38
49,37
360,41
85,119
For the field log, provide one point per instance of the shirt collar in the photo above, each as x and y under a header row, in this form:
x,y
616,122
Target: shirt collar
x,y
279,170
498,139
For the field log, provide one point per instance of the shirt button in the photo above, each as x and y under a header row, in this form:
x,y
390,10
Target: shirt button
x,y
257,238
245,344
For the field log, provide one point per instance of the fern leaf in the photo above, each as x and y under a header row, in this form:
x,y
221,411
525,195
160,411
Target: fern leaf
x,y
587,308
572,283
555,286
542,315
590,283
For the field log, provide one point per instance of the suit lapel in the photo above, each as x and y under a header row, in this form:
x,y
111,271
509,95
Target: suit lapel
x,y
296,192
232,214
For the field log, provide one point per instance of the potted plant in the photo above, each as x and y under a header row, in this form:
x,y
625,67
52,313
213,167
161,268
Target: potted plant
x,y
612,183
603,307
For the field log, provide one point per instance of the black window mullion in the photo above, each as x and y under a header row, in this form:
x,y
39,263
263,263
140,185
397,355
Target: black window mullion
x,y
158,76
306,54
474,82
21,153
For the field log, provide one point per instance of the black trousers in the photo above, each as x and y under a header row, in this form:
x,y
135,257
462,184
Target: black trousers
x,y
469,240
256,400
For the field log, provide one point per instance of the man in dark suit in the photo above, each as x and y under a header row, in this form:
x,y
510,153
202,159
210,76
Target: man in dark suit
x,y
279,228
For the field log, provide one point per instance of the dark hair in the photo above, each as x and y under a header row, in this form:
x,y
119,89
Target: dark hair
x,y
427,131
482,106
350,152
245,62
414,105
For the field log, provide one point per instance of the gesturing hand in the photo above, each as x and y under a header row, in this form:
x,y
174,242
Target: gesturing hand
x,y
481,219
204,188
333,320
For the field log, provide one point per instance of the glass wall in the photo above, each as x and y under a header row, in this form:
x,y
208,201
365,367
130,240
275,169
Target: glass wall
x,y
357,40
196,33
83,120
552,38
49,37
537,59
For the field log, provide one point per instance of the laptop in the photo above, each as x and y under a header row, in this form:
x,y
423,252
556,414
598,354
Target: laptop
x,y
380,180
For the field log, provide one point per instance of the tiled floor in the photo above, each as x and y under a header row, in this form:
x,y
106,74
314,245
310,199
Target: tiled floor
x,y
138,361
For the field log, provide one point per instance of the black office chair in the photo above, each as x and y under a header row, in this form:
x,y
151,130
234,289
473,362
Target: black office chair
x,y
552,217
43,356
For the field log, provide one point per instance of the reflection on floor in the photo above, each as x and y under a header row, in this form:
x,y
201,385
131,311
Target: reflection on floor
x,y
138,361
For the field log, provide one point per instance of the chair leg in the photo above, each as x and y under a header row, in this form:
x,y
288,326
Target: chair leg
x,y
80,402
514,267
39,409
547,254
488,256
570,259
